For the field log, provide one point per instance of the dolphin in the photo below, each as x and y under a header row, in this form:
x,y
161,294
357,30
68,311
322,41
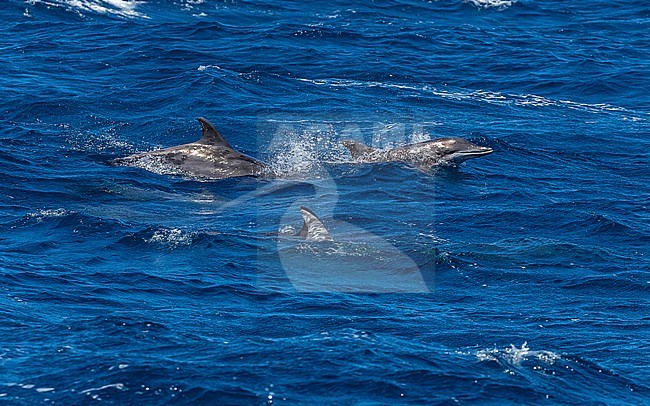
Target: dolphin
x,y
211,157
424,155
364,263
312,228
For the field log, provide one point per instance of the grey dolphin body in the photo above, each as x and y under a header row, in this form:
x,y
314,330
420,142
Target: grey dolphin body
x,y
312,228
423,155
211,157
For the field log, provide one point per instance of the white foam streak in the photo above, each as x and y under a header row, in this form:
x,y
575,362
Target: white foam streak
x,y
43,390
486,96
41,214
118,386
120,8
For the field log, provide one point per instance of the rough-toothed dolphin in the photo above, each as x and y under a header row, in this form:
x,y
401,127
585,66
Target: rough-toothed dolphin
x,y
211,157
356,261
424,155
312,228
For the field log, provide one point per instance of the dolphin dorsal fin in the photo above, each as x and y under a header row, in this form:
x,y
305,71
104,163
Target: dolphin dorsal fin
x,y
357,149
312,228
210,135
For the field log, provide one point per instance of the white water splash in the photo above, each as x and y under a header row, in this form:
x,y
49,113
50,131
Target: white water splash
x,y
298,151
295,158
514,355
203,68
189,4
159,165
287,230
105,141
172,237
498,4
119,8
40,214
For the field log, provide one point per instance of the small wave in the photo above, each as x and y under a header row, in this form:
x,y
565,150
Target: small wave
x,y
203,68
577,375
604,284
171,237
40,214
515,356
498,4
485,96
189,5
119,8
480,95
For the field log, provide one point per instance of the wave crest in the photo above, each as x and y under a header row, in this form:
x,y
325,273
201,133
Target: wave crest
x,y
171,237
118,8
515,356
498,4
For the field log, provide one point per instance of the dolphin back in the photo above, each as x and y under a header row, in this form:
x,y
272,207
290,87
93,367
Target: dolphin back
x,y
357,149
210,135
211,157
313,229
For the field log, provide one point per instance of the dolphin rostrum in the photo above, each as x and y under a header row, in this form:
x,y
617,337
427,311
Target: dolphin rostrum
x,y
211,157
423,155
312,228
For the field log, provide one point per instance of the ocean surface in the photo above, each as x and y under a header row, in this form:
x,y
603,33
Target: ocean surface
x,y
522,277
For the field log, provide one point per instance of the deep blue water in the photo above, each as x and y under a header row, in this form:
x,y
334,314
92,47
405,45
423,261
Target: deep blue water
x,y
521,277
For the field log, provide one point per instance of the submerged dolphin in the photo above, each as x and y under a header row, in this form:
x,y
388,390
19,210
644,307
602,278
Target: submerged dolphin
x,y
424,155
312,228
211,157
359,262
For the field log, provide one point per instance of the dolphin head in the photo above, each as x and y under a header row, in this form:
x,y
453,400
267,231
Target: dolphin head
x,y
453,151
